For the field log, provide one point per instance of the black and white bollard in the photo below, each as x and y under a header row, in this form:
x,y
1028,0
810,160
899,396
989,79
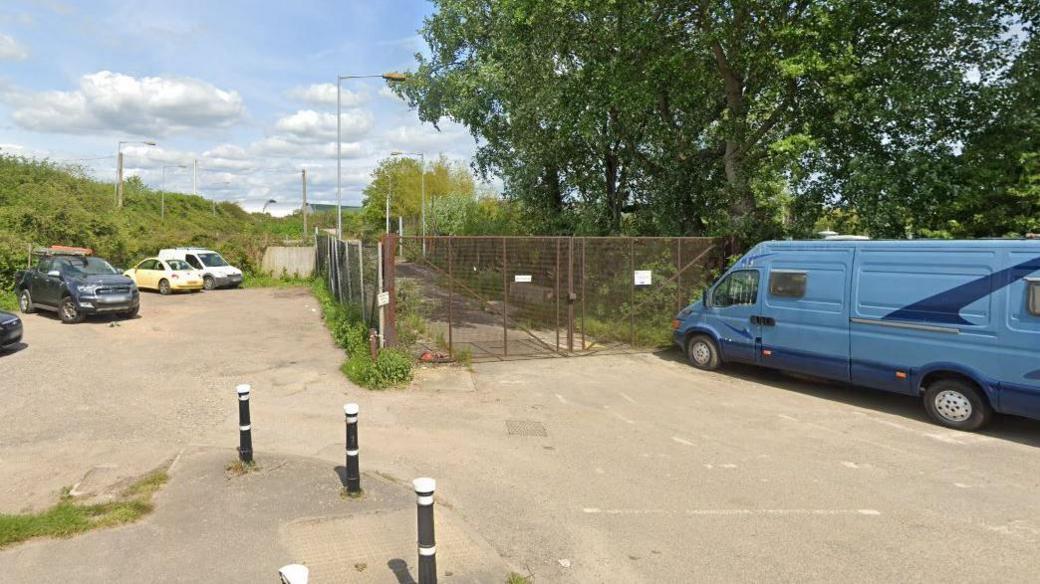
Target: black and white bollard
x,y
294,574
424,488
353,469
245,430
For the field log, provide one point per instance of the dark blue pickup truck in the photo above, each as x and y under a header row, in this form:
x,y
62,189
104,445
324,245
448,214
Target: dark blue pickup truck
x,y
74,286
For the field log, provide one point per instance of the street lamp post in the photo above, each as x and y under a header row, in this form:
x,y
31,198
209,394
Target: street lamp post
x,y
162,191
119,167
339,139
422,190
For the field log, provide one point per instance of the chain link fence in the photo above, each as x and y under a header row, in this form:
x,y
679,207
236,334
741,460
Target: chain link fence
x,y
351,272
487,298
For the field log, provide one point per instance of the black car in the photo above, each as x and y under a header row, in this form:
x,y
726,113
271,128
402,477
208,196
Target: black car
x,y
74,286
10,329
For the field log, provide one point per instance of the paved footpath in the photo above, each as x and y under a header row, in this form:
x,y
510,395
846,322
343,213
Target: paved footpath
x,y
211,527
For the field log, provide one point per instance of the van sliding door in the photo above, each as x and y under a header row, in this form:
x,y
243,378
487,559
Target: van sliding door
x,y
805,312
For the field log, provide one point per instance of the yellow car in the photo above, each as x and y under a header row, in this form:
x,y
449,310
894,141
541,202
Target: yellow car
x,y
166,276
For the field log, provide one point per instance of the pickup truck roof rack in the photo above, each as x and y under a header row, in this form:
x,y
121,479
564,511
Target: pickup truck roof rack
x,y
63,250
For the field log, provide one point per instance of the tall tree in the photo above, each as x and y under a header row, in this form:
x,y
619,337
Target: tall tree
x,y
401,179
718,116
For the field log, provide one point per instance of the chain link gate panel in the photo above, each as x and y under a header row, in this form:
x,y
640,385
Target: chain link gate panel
x,y
487,298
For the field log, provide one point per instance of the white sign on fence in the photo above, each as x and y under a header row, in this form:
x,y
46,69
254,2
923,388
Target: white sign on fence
x,y
643,277
383,298
525,278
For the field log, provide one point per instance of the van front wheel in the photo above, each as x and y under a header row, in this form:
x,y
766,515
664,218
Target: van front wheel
x,y
702,353
956,403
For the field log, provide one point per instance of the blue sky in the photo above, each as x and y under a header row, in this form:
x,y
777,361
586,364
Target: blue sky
x,y
247,88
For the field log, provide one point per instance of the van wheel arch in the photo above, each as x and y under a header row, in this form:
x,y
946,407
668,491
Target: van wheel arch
x,y
938,382
709,357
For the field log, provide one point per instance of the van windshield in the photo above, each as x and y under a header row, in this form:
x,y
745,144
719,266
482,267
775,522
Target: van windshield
x,y
212,260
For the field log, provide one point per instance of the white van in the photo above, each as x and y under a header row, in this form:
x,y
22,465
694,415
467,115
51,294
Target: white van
x,y
216,272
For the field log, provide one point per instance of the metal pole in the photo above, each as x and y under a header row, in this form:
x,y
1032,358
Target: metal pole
x,y
570,294
632,292
303,209
505,301
424,489
245,429
451,295
422,190
119,185
382,308
194,176
557,293
361,280
389,192
352,469
162,196
339,162
400,232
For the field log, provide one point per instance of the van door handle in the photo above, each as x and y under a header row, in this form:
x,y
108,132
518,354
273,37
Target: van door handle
x,y
763,320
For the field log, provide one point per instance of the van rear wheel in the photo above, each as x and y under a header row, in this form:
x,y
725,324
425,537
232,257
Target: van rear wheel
x,y
209,283
958,404
702,353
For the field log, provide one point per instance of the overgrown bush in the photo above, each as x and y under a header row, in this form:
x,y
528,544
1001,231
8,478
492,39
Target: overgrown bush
x,y
392,366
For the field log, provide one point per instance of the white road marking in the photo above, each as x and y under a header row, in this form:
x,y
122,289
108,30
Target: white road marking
x,y
622,394
561,398
622,418
681,441
731,512
849,464
962,486
786,417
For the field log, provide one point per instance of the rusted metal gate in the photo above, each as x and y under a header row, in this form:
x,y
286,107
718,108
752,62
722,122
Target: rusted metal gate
x,y
515,297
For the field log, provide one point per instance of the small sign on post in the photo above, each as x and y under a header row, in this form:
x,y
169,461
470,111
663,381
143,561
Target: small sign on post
x,y
383,298
643,277
522,278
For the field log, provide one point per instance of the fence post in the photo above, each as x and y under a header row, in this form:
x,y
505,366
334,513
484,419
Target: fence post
x,y
583,241
352,469
451,296
557,293
678,272
424,489
505,301
245,428
570,294
361,281
632,293
390,287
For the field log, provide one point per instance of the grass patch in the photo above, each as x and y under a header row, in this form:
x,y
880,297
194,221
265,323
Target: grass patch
x,y
8,301
68,518
345,494
270,281
238,468
514,578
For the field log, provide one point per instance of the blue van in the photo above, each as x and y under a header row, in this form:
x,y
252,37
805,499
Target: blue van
x,y
956,322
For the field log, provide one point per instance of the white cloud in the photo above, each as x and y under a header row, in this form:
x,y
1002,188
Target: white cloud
x,y
451,139
282,147
312,126
12,50
147,106
324,94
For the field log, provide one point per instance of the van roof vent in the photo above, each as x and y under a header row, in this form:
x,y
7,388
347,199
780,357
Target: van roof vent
x,y
837,237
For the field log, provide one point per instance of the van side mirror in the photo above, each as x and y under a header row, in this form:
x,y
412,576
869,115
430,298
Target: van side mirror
x,y
704,297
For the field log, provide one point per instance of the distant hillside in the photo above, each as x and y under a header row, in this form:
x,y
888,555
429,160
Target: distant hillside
x,y
44,204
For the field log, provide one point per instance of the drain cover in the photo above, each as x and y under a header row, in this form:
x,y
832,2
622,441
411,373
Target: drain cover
x,y
525,428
